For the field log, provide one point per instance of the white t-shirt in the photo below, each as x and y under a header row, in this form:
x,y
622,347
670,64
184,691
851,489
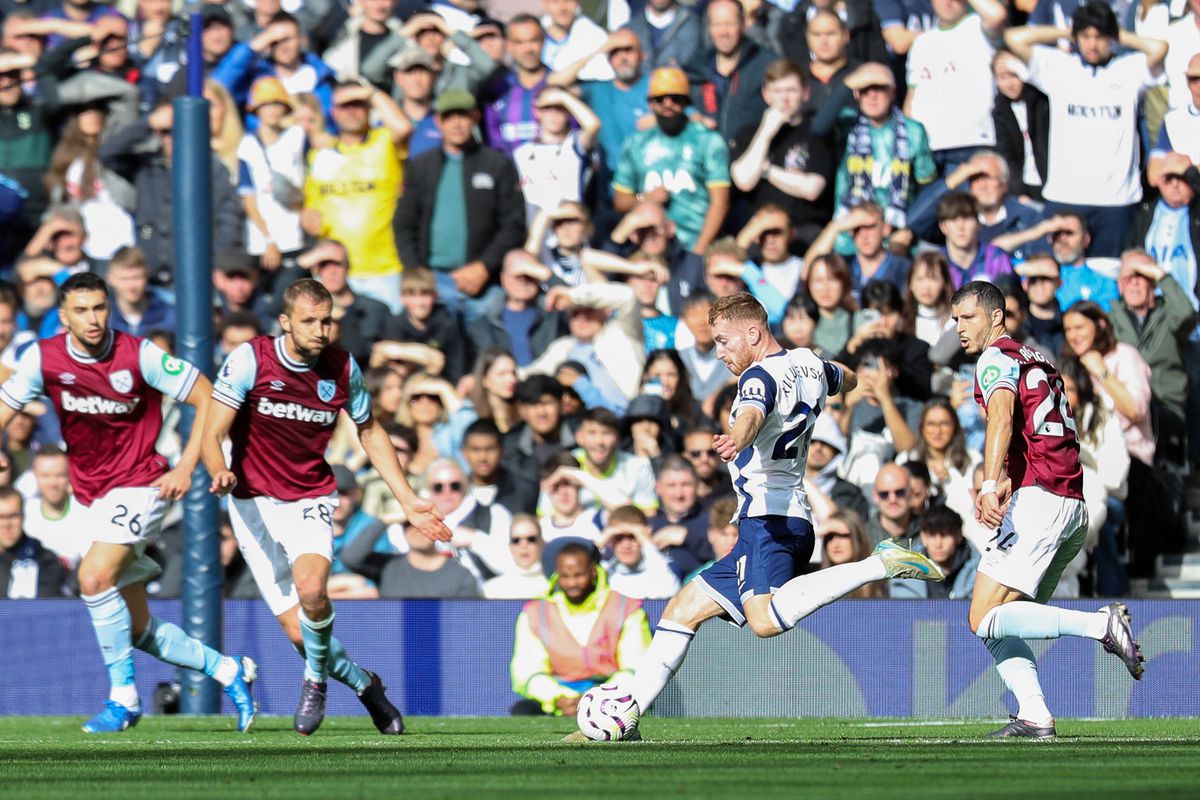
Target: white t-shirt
x,y
64,537
951,70
584,37
256,164
784,276
552,173
1184,40
1183,131
1094,144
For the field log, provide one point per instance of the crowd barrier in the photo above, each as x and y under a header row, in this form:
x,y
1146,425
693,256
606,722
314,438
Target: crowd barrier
x,y
443,657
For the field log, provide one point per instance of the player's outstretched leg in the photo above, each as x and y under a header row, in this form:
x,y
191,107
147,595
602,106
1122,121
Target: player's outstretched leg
x,y
803,595
98,573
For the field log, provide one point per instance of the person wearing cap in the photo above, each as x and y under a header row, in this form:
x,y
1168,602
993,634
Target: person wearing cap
x,y
1021,113
461,210
679,164
828,492
271,177
508,99
414,73
235,277
352,187
1156,315
887,157
729,96
362,46
557,165
1094,149
277,51
778,160
365,319
517,321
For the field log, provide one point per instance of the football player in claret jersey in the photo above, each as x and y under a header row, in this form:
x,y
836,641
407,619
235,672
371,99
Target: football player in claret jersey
x,y
780,395
107,388
1032,495
278,400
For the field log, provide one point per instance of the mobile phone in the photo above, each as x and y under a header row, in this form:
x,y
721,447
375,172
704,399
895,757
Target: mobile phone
x,y
868,316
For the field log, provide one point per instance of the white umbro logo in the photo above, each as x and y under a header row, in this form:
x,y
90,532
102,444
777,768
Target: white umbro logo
x,y
277,385
67,378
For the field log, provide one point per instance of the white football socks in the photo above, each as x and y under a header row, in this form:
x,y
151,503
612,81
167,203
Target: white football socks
x,y
801,596
663,656
1018,669
1028,620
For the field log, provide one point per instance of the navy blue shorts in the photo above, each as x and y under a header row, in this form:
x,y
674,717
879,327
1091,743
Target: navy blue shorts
x,y
770,551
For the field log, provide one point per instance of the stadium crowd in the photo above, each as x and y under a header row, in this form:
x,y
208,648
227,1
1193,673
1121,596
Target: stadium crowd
x,y
524,221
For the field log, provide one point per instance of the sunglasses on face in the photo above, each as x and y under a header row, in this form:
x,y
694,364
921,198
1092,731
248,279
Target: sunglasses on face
x,y
898,494
836,535
417,397
680,100
523,540
452,486
700,453
162,131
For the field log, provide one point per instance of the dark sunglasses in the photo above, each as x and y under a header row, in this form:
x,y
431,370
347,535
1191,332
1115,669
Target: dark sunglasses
x,y
452,486
414,398
678,99
523,540
700,453
899,494
836,535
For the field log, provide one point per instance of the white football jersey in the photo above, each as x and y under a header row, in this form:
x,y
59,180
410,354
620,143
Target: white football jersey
x,y
789,388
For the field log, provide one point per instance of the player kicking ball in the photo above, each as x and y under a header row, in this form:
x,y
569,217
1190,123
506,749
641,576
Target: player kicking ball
x,y
780,395
1037,510
107,388
278,400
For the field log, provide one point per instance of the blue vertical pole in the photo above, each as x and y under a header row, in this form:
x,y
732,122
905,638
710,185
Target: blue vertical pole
x,y
192,230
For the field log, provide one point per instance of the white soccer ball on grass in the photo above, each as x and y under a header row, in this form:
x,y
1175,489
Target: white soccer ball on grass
x,y
607,712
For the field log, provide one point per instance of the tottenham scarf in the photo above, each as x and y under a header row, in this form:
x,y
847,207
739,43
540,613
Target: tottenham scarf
x,y
860,163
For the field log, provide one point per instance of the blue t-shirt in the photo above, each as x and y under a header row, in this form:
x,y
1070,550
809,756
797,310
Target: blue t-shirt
x,y
914,15
518,324
425,137
619,110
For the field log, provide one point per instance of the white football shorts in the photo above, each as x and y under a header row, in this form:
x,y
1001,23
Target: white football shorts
x,y
130,515
272,534
1040,535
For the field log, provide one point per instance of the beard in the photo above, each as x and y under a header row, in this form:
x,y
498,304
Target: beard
x,y
629,75
671,126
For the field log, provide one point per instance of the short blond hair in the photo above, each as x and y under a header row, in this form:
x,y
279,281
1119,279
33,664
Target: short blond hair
x,y
737,307
420,279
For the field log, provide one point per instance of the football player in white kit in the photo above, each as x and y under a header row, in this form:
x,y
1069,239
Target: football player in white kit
x,y
780,395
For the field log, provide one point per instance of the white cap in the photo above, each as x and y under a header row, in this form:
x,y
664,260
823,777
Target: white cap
x,y
826,430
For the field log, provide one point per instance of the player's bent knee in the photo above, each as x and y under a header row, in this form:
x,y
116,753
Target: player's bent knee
x,y
94,580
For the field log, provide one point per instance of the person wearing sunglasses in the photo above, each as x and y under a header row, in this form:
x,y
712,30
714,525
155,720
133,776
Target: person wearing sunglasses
x,y
527,579
893,517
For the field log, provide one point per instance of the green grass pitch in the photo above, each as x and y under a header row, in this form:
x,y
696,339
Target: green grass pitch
x,y
174,757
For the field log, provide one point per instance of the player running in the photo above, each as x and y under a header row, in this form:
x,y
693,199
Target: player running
x,y
780,395
1041,525
107,388
278,400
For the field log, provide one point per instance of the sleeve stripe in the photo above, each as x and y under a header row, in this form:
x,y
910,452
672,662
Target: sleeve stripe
x,y
227,400
188,383
761,406
10,401
363,421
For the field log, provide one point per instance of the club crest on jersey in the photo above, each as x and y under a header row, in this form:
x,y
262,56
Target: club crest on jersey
x,y
67,378
122,381
326,390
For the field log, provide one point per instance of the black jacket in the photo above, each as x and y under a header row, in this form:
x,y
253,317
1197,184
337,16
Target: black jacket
x,y
28,555
488,331
1011,144
516,493
495,206
364,324
443,331
741,104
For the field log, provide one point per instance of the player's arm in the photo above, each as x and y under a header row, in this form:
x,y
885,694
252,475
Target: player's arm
x,y
421,513
22,387
746,425
217,423
990,504
174,484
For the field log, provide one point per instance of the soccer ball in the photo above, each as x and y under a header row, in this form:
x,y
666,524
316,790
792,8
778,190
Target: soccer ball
x,y
607,712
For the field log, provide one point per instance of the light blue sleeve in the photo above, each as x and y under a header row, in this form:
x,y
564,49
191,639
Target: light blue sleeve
x,y
172,376
773,301
25,384
358,404
236,377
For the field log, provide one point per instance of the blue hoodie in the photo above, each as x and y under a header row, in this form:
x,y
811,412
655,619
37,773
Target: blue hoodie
x,y
241,67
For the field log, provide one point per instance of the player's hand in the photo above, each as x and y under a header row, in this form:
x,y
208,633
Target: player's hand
x,y
223,483
989,510
725,448
428,520
173,484
569,706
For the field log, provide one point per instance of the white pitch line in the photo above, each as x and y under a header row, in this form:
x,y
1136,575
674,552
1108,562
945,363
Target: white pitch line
x,y
931,723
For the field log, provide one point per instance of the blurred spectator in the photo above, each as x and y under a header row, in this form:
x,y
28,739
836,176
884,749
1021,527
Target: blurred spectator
x,y
969,258
28,146
362,45
562,513
680,528
277,51
731,72
927,309
902,21
428,402
557,239
636,568
1168,226
490,481
235,276
713,478
458,60
942,540
461,188
136,309
527,580
893,517
870,259
827,491
542,432
1100,179
12,340
706,373
778,160
508,100
887,155
829,286
950,84
1022,118
1179,133
1081,278
1044,322
844,539
1016,315
413,73
921,490
350,194
569,33
648,229
556,165
881,320
350,520
365,320
235,329
624,475
646,429
828,62
39,296
942,448
422,572
767,237
50,515
679,163
1158,327
378,500
61,237
27,569
141,154
271,165
480,529
667,32
581,635
722,532
665,376
728,271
